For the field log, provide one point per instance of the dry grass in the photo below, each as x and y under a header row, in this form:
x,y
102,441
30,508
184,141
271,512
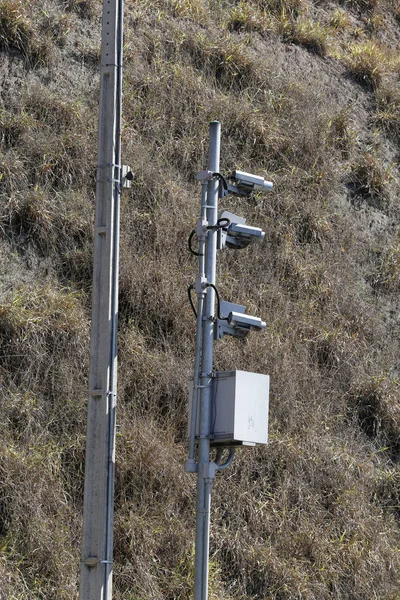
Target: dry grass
x,y
86,9
369,180
17,31
369,62
339,20
388,109
248,17
305,32
315,513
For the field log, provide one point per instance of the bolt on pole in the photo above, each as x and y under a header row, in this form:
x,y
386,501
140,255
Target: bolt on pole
x,y
97,542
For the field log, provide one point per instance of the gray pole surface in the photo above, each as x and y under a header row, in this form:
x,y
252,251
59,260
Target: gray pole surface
x,y
200,303
203,479
96,568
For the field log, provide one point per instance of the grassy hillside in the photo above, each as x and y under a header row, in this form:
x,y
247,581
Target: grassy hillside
x,y
308,95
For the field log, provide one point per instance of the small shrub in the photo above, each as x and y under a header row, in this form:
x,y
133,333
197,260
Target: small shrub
x,y
374,22
15,27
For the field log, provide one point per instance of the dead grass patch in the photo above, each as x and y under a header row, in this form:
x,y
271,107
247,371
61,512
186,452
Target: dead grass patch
x,y
17,31
388,109
36,323
248,17
369,179
309,514
225,60
375,403
305,32
339,20
387,278
86,9
370,61
341,133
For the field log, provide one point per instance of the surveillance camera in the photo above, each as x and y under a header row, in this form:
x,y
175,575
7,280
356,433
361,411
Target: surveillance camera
x,y
251,182
235,322
243,321
237,234
245,233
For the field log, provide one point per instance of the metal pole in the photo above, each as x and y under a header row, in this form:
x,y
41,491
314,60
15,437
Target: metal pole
x,y
190,465
96,568
203,480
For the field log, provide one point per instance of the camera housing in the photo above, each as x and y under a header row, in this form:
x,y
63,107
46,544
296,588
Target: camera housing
x,y
249,182
237,234
235,322
243,321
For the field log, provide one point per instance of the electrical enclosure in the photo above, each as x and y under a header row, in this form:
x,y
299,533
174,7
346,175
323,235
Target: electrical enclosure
x,y
240,402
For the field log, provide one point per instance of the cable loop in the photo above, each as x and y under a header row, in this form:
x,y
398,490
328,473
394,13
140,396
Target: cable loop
x,y
191,236
221,224
189,290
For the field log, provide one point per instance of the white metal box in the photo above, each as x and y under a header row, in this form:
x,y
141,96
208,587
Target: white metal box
x,y
240,402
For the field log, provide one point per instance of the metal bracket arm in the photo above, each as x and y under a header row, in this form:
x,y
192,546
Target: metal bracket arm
x,y
204,175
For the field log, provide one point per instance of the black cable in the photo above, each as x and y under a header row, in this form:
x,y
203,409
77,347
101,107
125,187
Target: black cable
x,y
211,285
190,244
221,224
221,178
189,290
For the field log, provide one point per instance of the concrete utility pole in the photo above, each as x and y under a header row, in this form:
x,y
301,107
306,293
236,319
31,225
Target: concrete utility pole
x,y
226,409
97,543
